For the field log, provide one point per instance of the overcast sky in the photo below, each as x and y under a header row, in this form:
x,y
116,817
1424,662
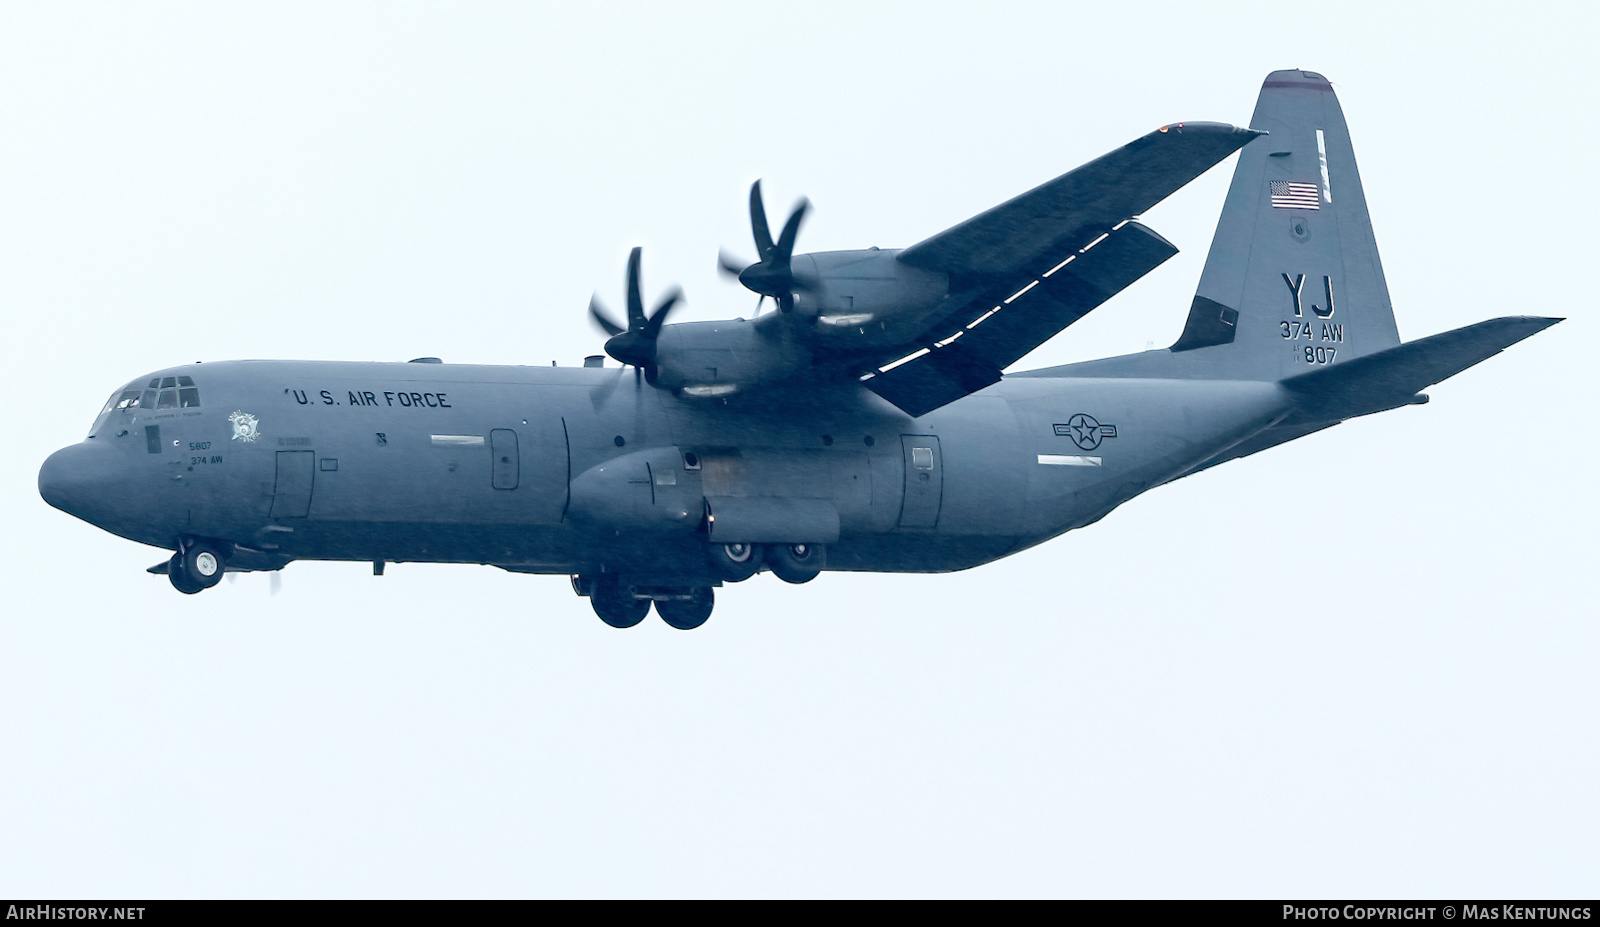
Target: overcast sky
x,y
1359,665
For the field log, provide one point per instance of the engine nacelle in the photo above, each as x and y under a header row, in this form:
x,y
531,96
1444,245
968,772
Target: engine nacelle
x,y
851,290
718,358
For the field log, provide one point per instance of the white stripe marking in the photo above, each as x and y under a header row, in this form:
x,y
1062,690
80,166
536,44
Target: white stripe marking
x,y
1068,460
1322,155
1069,260
1013,296
904,360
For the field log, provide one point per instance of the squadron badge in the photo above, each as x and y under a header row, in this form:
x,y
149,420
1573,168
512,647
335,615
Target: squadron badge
x,y
244,427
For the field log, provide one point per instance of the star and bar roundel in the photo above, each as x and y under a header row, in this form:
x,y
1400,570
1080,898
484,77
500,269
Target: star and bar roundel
x,y
1084,431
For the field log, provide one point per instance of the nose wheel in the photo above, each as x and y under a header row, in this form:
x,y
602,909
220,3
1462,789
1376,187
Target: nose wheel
x,y
196,567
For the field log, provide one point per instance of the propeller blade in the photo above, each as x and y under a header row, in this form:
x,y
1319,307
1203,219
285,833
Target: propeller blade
x,y
602,318
758,222
635,301
790,230
658,317
635,345
770,275
729,264
600,395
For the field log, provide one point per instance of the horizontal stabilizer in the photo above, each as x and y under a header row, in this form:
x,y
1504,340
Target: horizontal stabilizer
x,y
1393,377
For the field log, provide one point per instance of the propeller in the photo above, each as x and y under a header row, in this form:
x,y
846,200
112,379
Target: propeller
x,y
635,344
771,274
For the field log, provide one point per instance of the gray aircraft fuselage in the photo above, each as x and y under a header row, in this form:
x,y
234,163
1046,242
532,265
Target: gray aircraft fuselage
x,y
863,425
478,464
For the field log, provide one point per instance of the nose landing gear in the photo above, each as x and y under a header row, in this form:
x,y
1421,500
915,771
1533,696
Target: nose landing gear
x,y
195,567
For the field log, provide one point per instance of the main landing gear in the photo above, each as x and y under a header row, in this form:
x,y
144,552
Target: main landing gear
x,y
792,563
196,566
623,606
617,606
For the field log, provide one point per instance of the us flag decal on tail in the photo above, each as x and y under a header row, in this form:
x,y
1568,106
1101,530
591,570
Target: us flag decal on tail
x,y
1286,194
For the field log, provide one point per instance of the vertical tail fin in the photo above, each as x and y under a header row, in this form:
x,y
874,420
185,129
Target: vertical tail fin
x,y
1293,281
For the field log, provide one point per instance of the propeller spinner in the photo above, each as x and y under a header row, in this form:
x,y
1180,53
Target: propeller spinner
x,y
771,275
636,344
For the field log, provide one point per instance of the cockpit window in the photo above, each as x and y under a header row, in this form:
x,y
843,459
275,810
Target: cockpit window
x,y
162,393
125,399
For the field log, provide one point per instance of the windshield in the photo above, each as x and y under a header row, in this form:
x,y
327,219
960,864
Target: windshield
x,y
176,392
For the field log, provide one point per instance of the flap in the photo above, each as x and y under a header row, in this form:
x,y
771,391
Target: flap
x,y
972,356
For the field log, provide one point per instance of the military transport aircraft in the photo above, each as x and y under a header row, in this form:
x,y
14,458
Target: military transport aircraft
x,y
862,424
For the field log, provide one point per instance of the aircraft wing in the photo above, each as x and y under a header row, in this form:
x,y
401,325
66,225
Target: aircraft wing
x,y
1056,217
1026,269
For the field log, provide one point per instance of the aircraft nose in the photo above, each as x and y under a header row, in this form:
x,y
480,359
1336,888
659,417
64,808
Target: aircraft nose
x,y
74,478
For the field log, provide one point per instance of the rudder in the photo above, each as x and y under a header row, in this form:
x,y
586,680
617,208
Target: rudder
x,y
1293,281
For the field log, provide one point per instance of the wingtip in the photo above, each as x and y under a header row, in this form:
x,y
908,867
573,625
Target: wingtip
x,y
1214,129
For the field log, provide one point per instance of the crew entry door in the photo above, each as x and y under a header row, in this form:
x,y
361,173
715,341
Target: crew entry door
x,y
291,493
924,481
506,468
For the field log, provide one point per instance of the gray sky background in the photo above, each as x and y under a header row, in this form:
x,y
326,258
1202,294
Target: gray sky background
x,y
1359,665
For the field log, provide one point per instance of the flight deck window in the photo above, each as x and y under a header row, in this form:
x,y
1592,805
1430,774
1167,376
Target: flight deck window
x,y
163,393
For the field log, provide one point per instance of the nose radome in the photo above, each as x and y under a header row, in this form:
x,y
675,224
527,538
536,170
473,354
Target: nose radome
x,y
71,478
